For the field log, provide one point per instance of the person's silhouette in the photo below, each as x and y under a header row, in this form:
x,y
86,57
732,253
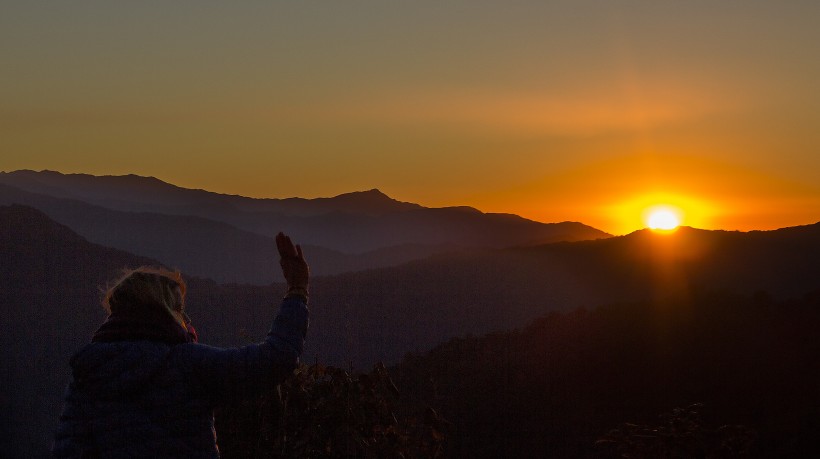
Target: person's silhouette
x,y
144,387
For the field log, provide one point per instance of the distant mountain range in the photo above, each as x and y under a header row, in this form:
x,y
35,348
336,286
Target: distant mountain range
x,y
391,311
229,238
50,279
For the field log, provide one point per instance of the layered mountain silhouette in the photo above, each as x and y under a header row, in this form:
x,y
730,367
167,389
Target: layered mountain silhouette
x,y
51,278
200,246
148,194
349,223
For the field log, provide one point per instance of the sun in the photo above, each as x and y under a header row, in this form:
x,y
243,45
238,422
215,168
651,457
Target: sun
x,y
663,212
664,218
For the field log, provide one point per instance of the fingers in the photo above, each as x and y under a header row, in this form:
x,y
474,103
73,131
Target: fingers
x,y
294,267
285,246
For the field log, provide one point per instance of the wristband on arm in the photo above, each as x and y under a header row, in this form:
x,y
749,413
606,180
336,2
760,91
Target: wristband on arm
x,y
298,291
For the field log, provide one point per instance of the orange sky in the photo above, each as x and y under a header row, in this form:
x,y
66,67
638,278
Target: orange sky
x,y
559,111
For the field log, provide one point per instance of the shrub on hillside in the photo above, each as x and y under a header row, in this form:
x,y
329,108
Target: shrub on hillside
x,y
323,412
680,433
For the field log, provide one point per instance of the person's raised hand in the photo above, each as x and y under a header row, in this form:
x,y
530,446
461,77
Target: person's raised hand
x,y
294,267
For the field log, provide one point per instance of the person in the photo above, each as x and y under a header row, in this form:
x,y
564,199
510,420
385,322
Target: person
x,y
145,388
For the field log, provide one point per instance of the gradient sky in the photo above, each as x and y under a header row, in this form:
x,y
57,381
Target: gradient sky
x,y
576,110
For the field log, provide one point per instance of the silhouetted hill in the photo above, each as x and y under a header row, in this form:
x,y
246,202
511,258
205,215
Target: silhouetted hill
x,y
349,223
782,262
552,388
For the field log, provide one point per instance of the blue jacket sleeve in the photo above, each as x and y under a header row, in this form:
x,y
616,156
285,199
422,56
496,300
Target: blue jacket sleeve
x,y
73,437
239,373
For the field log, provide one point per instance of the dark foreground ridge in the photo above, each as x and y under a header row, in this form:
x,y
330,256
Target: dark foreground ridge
x,y
557,386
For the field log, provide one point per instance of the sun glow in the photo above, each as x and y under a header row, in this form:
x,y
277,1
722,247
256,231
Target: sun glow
x,y
632,213
664,218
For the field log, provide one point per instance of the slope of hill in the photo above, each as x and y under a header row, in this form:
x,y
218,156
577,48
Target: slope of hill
x,y
554,387
50,305
350,223
51,281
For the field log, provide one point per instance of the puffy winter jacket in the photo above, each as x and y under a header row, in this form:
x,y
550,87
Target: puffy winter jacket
x,y
144,399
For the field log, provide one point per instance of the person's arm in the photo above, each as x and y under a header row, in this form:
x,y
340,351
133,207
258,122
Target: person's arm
x,y
228,374
238,373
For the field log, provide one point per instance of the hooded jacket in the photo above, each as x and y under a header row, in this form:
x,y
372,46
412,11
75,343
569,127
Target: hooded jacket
x,y
151,399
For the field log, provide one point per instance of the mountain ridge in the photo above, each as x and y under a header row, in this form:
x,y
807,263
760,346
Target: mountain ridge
x,y
89,185
29,180
204,247
359,230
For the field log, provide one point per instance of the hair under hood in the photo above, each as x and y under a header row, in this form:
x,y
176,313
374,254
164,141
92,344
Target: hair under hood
x,y
145,304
